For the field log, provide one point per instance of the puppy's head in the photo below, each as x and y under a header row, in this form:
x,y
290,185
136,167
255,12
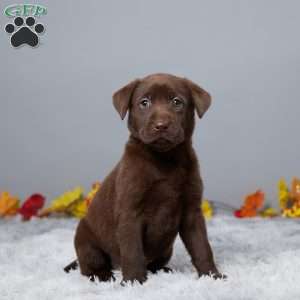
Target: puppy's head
x,y
161,109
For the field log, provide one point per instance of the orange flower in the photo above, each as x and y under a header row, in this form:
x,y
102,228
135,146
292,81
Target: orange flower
x,y
8,204
252,204
92,193
295,190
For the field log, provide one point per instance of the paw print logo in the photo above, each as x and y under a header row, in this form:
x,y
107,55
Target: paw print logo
x,y
24,32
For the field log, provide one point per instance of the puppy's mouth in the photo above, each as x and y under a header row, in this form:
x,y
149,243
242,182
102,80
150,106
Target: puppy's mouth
x,y
162,142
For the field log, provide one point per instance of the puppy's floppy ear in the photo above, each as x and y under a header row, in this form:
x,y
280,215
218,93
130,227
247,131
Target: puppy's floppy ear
x,y
122,97
201,98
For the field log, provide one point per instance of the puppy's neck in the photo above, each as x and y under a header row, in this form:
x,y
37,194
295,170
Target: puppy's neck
x,y
181,152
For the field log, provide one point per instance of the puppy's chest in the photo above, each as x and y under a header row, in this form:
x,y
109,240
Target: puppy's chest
x,y
164,197
163,209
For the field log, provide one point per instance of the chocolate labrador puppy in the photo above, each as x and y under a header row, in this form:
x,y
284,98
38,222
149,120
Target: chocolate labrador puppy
x,y
155,190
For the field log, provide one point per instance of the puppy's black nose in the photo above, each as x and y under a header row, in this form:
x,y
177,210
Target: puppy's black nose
x,y
161,126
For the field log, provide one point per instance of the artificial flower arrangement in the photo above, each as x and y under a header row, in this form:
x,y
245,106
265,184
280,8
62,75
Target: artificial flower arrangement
x,y
75,204
71,203
289,202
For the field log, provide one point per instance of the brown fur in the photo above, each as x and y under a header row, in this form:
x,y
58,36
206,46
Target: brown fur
x,y
155,190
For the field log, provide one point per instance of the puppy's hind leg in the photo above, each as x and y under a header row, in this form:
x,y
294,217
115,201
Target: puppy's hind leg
x,y
159,264
93,262
71,266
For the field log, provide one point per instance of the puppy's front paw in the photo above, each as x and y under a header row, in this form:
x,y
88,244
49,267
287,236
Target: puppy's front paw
x,y
167,270
164,269
139,277
214,273
102,275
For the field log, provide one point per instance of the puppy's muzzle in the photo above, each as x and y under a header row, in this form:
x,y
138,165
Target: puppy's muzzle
x,y
161,126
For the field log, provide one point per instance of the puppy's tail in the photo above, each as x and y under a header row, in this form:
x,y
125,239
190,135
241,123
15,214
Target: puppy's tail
x,y
72,266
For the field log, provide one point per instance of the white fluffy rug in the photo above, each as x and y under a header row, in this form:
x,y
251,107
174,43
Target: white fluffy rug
x,y
261,258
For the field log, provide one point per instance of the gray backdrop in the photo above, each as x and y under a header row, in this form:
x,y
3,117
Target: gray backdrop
x,y
56,99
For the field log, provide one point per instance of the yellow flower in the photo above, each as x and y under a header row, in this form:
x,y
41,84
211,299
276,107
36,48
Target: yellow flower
x,y
283,194
79,209
207,209
269,212
65,203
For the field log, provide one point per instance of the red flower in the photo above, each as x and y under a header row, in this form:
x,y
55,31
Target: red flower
x,y
237,213
31,206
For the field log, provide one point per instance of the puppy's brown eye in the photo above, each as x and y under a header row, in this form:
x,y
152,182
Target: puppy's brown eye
x,y
145,103
177,102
